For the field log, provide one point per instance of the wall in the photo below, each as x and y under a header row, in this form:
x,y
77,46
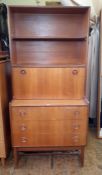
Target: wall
x,y
26,2
97,3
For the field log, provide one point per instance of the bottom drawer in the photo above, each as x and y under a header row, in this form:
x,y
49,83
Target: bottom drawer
x,y
55,126
47,140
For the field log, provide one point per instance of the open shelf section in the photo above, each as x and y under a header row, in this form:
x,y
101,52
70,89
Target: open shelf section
x,y
49,52
47,36
48,22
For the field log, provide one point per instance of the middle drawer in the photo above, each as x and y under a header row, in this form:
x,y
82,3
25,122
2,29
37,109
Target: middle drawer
x,y
48,83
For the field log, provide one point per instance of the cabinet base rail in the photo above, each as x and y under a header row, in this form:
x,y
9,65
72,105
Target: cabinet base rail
x,y
49,151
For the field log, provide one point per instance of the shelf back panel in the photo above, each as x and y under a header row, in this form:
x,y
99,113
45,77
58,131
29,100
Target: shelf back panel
x,y
66,23
49,52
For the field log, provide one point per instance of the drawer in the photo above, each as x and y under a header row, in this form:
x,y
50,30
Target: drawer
x,y
45,135
49,126
48,83
49,113
49,141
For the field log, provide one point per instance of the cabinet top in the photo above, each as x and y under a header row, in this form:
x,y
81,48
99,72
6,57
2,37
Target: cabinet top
x,y
39,103
45,9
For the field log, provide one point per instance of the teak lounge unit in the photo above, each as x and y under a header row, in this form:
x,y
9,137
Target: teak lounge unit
x,y
48,50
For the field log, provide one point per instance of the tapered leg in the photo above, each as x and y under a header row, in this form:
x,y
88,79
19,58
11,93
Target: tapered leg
x,y
82,149
3,162
16,157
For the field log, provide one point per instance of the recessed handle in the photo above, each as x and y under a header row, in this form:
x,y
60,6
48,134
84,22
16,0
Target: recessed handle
x,y
23,127
77,114
76,126
23,139
22,113
75,139
75,72
23,72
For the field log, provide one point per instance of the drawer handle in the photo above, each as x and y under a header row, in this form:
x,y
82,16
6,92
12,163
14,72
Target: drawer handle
x,y
23,139
75,72
23,127
22,113
76,127
76,113
75,139
23,72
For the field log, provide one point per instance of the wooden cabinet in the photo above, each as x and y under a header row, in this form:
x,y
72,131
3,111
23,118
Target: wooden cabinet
x,y
4,109
48,48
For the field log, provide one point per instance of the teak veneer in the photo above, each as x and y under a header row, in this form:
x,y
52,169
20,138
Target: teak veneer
x,y
49,51
48,83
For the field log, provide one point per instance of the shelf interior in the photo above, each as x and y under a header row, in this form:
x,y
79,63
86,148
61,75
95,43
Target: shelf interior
x,y
30,25
48,36
47,52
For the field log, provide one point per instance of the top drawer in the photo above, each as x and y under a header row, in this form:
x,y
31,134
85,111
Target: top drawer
x,y
50,113
48,83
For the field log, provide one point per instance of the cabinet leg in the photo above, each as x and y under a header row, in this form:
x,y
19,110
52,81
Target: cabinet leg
x,y
16,157
3,162
82,149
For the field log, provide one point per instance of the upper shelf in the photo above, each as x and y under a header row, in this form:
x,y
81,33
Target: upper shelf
x,y
48,23
49,52
59,38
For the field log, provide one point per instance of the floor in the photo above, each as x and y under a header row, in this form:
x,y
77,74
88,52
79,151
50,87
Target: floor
x,y
62,164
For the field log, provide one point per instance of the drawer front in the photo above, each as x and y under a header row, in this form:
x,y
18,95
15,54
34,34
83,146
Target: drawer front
x,y
49,133
56,128
48,83
47,140
48,113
